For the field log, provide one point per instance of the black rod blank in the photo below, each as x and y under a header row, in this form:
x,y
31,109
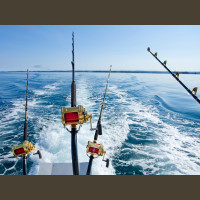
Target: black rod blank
x,y
26,127
74,151
73,86
176,77
99,128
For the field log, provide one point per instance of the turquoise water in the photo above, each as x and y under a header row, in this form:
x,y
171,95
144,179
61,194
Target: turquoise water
x,y
150,123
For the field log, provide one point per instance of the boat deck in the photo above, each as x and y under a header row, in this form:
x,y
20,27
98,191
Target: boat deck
x,y
61,168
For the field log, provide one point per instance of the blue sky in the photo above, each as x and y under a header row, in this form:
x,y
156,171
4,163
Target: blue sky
x,y
97,47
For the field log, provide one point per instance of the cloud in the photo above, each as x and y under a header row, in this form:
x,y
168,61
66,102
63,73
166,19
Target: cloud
x,y
37,67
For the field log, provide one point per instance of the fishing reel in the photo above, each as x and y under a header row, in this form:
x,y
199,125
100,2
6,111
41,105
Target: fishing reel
x,y
96,150
75,115
24,149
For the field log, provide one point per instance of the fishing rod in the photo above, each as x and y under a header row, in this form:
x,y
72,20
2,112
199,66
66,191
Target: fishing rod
x,y
26,147
93,149
25,127
74,131
176,76
73,116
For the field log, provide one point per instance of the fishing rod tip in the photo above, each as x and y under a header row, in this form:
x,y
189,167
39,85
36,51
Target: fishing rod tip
x,y
148,49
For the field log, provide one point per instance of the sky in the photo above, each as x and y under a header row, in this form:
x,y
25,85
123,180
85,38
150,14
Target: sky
x,y
42,47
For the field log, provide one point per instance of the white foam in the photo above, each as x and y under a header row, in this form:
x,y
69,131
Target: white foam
x,y
171,149
52,86
55,141
41,92
171,143
47,89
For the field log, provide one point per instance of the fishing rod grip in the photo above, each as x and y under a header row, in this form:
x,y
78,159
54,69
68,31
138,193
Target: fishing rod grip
x,y
73,94
24,165
90,165
98,130
25,130
74,151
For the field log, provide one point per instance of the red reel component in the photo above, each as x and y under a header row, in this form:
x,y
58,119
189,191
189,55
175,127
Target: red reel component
x,y
71,117
19,151
93,150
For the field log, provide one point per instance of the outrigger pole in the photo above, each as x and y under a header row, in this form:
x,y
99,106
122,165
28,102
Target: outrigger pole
x,y
26,147
98,131
176,76
74,131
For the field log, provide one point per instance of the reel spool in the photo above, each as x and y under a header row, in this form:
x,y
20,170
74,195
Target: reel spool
x,y
24,149
75,115
96,150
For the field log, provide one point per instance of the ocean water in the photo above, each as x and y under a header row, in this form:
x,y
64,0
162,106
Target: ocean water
x,y
151,125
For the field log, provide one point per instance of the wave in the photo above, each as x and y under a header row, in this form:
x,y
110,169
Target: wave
x,y
47,89
142,133
163,149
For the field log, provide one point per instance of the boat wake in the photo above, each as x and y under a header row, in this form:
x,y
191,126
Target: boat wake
x,y
141,133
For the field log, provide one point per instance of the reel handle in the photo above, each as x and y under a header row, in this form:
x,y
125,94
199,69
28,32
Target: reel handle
x,y
107,162
39,153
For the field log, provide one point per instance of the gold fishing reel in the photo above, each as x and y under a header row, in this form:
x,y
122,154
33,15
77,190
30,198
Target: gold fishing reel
x,y
75,115
96,150
24,149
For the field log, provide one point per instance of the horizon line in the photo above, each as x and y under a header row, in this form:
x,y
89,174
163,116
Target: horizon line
x,y
105,71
